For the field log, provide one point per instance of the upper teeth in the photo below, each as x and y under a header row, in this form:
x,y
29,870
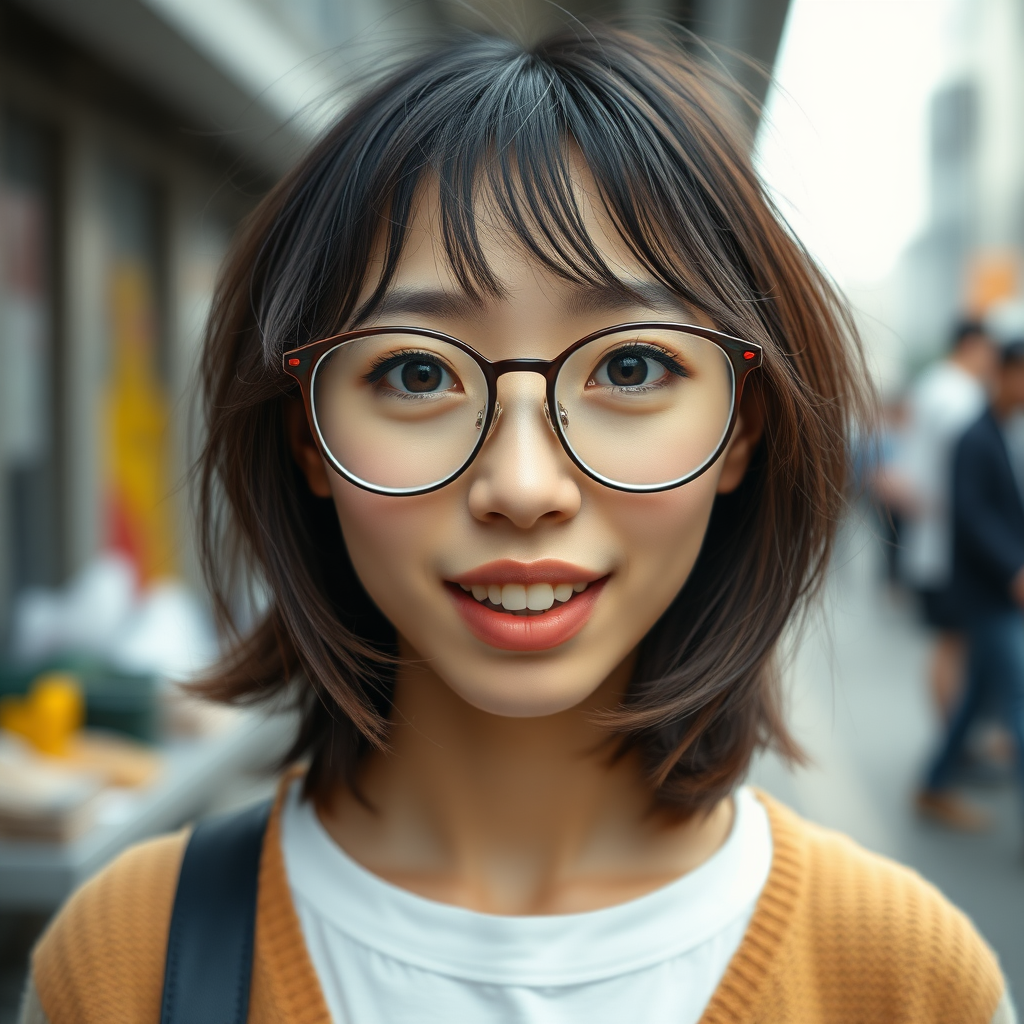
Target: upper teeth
x,y
515,597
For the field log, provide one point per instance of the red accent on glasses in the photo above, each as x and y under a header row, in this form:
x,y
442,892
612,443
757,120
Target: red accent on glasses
x,y
748,355
295,362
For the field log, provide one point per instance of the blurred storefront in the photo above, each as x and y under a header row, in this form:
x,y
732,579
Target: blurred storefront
x,y
112,223
129,151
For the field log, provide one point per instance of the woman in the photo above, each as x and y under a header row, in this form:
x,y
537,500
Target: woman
x,y
530,415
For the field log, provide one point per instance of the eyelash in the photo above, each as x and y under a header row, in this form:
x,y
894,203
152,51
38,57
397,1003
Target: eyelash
x,y
383,364
649,351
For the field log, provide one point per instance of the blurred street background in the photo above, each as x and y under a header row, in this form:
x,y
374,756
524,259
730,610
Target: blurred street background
x,y
860,708
135,135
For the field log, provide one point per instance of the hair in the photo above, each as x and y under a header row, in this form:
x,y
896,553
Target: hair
x,y
965,330
1012,352
653,126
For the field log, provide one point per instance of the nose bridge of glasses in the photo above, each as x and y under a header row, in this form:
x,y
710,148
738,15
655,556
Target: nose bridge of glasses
x,y
542,367
503,366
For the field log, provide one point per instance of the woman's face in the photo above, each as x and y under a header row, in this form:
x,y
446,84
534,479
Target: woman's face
x,y
522,520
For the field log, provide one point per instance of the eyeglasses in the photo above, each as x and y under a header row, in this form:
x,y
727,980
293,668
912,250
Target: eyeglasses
x,y
638,407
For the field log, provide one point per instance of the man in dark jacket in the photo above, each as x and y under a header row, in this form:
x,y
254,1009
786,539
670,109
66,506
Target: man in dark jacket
x,y
987,589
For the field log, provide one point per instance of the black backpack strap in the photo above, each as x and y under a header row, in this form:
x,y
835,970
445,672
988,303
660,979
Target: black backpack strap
x,y
209,948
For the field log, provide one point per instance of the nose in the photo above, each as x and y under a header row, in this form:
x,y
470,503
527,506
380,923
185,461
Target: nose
x,y
522,475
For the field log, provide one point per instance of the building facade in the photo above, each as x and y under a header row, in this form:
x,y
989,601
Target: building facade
x,y
970,257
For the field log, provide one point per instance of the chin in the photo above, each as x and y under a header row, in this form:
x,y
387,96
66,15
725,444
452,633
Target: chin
x,y
519,693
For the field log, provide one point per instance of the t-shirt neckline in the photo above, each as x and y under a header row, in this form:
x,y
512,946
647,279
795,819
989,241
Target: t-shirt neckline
x,y
558,949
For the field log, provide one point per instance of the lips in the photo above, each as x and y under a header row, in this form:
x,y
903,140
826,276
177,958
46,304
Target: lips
x,y
526,606
547,570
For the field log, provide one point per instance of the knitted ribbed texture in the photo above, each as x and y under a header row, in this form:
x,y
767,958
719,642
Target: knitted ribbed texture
x,y
844,936
101,960
839,936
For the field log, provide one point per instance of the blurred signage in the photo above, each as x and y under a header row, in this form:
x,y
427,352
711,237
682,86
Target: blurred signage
x,y
135,405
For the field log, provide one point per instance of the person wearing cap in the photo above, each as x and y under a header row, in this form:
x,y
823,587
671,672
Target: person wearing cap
x,y
987,591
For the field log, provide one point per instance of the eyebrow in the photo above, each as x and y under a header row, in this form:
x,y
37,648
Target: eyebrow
x,y
629,293
448,305
585,299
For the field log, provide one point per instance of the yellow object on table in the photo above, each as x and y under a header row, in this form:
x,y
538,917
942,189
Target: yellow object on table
x,y
50,718
51,714
117,759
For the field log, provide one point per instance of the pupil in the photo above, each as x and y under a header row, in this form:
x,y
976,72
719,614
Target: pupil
x,y
627,370
421,376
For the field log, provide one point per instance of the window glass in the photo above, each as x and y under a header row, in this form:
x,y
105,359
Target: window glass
x,y
28,516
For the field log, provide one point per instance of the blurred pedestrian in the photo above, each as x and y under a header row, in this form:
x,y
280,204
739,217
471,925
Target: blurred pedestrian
x,y
942,403
987,592
880,475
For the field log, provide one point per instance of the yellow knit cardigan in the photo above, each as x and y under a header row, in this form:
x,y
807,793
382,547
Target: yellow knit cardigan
x,y
839,936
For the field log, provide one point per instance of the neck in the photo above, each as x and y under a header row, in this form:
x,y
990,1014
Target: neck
x,y
513,815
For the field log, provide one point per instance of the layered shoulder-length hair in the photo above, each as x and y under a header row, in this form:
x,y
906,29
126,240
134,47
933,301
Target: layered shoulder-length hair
x,y
673,171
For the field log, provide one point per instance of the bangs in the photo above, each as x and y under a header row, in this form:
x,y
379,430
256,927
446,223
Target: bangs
x,y
518,135
511,151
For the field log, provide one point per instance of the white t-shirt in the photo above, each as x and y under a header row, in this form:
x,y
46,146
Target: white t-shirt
x,y
386,956
944,401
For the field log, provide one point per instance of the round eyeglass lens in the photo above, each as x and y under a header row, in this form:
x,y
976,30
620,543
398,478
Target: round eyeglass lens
x,y
645,407
399,412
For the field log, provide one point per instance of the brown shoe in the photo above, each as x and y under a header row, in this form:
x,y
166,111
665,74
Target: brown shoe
x,y
946,808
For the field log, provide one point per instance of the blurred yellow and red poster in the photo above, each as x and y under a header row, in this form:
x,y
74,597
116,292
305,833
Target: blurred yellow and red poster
x,y
136,414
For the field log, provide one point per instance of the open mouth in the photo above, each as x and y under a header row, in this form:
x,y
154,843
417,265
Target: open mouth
x,y
526,606
523,600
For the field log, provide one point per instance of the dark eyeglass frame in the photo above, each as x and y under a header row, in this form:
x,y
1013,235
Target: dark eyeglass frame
x,y
301,363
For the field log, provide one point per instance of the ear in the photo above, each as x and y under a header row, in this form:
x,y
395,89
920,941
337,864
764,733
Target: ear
x,y
304,449
744,440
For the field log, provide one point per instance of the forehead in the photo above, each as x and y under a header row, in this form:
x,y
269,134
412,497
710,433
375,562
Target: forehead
x,y
518,274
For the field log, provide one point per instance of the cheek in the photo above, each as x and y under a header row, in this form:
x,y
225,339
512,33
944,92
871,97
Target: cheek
x,y
661,536
389,540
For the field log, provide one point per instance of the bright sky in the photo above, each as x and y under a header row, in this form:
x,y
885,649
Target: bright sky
x,y
844,144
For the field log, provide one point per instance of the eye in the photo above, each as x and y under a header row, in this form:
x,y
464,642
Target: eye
x,y
416,373
634,367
